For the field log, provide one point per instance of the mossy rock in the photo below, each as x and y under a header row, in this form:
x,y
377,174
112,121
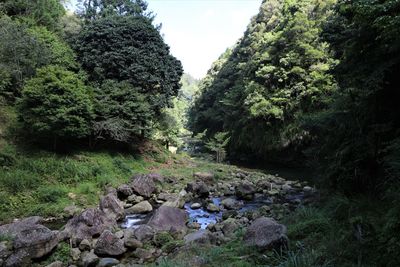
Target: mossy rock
x,y
172,245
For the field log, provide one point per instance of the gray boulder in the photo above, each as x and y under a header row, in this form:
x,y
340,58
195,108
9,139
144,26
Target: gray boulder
x,y
231,204
245,190
112,206
265,233
144,233
107,262
109,245
206,177
90,223
29,239
169,219
144,185
89,259
142,207
199,237
198,188
124,191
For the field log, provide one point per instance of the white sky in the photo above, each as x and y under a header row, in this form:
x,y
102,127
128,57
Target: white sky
x,y
199,31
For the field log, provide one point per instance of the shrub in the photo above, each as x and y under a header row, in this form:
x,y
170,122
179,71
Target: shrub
x,y
55,104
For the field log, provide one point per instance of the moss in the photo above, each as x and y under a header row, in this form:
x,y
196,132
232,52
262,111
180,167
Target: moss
x,y
162,238
170,246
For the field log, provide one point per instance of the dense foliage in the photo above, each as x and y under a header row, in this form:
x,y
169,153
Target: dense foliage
x,y
56,104
278,72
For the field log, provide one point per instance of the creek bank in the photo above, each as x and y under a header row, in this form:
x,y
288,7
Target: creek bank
x,y
141,221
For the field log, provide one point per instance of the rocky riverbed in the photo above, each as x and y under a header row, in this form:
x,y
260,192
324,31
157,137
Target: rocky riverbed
x,y
144,220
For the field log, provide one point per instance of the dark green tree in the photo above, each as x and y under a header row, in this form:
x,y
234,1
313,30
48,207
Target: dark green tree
x,y
55,104
129,48
121,112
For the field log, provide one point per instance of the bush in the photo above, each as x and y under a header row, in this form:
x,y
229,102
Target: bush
x,y
56,104
51,193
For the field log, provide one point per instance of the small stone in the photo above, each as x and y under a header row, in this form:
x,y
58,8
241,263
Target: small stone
x,y
212,207
194,225
55,264
107,262
89,258
134,199
85,245
75,254
195,206
142,207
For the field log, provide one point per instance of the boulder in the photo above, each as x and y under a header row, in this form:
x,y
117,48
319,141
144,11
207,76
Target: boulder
x,y
176,201
85,245
71,211
135,199
30,240
142,207
107,262
124,191
199,237
265,233
198,188
229,226
195,206
109,245
75,254
231,204
56,264
144,185
89,259
245,190
112,206
144,254
211,207
168,219
88,224
144,233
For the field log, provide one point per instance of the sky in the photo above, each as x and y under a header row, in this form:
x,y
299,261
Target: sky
x,y
199,31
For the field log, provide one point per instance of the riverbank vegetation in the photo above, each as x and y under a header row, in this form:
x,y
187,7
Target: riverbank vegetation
x,y
87,100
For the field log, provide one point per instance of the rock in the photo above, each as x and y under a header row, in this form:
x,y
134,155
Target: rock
x,y
169,219
18,259
195,206
231,204
273,192
144,254
130,239
265,233
198,188
229,226
112,207
110,245
211,207
142,207
124,191
144,233
89,259
199,237
245,190
143,185
56,264
286,188
194,225
308,191
71,210
75,254
5,250
229,214
135,199
30,240
206,177
107,262
85,245
90,223
176,201
119,234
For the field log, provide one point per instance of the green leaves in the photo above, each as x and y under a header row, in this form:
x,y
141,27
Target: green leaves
x,y
55,103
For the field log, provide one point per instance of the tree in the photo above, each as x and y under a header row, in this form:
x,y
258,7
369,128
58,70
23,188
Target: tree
x,y
121,112
218,144
20,55
55,104
129,48
95,9
35,12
